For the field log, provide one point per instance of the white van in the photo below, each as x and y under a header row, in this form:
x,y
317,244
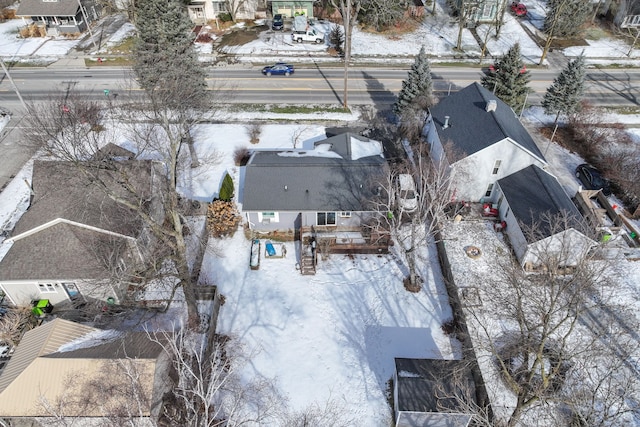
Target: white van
x,y
406,193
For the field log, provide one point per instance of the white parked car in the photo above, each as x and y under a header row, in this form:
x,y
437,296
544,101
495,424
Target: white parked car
x,y
407,197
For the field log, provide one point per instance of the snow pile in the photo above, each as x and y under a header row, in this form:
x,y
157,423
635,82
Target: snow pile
x,y
91,339
360,149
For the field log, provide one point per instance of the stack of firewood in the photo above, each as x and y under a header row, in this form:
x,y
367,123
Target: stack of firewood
x,y
222,218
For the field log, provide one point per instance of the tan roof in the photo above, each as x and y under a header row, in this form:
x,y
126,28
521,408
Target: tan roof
x,y
42,340
71,382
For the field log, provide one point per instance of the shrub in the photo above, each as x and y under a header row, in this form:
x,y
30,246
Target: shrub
x,y
227,188
254,130
225,17
222,218
241,156
204,38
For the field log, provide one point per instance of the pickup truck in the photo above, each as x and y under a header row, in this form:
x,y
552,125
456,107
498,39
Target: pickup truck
x,y
307,36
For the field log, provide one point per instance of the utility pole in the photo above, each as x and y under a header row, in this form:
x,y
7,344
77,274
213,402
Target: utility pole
x,y
15,88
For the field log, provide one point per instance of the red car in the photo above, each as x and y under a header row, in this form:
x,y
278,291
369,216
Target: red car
x,y
518,9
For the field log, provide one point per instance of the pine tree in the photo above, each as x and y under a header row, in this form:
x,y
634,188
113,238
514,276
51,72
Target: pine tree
x,y
165,60
417,89
509,79
563,96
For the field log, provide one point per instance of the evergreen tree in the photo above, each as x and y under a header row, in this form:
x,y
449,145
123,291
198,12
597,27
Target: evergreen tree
x,y
509,79
563,96
417,89
565,17
165,60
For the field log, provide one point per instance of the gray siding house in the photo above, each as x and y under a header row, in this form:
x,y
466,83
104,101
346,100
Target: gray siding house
x,y
331,186
59,16
541,218
481,139
74,242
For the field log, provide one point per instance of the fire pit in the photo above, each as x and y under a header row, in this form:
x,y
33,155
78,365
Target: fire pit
x,y
473,252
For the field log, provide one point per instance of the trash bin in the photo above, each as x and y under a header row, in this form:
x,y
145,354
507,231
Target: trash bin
x,y
41,307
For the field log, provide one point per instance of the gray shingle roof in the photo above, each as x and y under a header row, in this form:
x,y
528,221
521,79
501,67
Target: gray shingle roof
x,y
471,128
47,8
276,182
62,252
427,385
534,194
63,191
135,345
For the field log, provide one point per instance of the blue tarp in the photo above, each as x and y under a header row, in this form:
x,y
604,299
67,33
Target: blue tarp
x,y
271,251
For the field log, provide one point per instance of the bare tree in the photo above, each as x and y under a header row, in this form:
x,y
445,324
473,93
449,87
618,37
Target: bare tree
x,y
13,323
540,312
466,10
412,229
209,390
76,131
349,10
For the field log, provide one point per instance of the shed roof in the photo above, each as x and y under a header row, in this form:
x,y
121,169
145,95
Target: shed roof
x,y
428,385
47,8
533,195
471,128
341,174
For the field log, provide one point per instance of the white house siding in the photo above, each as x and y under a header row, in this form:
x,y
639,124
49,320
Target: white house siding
x,y
570,244
21,293
474,173
513,230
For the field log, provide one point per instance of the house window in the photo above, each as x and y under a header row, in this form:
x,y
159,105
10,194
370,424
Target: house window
x,y
496,167
506,214
326,218
345,214
489,190
268,217
47,288
220,7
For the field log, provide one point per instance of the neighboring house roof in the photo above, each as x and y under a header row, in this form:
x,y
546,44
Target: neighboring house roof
x,y
429,385
533,195
342,173
68,379
86,255
61,190
47,8
471,128
39,341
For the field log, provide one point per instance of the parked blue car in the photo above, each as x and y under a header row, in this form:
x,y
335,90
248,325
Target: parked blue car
x,y
278,68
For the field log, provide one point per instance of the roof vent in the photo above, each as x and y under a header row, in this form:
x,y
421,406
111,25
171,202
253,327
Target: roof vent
x,y
492,104
446,122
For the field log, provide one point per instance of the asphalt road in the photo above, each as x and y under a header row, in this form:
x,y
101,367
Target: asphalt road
x,y
313,85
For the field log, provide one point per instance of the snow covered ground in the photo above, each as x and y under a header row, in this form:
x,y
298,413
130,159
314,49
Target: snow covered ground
x,y
329,338
438,33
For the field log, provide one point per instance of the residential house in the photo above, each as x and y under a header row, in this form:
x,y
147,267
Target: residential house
x,y
330,185
203,11
479,11
291,8
433,392
481,139
541,219
59,16
64,370
329,189
75,242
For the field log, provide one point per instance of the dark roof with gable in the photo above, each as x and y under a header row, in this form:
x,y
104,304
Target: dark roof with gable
x,y
63,252
534,194
47,8
63,191
285,181
134,345
471,128
427,385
